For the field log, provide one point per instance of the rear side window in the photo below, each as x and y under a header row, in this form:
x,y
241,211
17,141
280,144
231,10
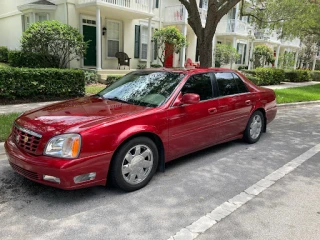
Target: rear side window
x,y
199,84
242,88
226,84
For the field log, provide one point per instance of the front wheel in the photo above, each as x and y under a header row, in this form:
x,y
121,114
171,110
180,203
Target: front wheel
x,y
254,128
134,164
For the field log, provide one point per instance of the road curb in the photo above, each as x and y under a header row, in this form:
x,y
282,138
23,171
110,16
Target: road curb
x,y
1,147
297,104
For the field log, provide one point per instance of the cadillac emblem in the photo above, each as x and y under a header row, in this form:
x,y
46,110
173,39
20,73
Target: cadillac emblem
x,y
18,138
25,139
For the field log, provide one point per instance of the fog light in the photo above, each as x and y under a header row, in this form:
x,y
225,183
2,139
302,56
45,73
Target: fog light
x,y
51,179
84,177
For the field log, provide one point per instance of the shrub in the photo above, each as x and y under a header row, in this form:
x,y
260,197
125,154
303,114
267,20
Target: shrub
x,y
113,78
30,60
156,65
66,42
315,75
253,79
3,54
298,76
250,72
41,84
90,76
270,76
141,66
242,67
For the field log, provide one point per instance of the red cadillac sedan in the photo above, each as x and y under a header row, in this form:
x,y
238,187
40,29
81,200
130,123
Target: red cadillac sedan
x,y
133,127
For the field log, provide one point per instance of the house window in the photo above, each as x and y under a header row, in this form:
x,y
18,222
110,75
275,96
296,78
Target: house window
x,y
26,22
144,43
32,17
40,17
113,37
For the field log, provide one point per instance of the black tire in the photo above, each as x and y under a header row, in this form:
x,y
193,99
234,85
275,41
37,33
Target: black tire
x,y
248,135
122,180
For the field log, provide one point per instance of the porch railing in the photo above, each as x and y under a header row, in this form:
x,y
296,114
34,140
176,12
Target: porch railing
x,y
139,5
233,26
175,14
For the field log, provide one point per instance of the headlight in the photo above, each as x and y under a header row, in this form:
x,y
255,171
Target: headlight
x,y
64,146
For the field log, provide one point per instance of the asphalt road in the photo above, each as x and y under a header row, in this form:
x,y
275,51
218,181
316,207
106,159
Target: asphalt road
x,y
191,187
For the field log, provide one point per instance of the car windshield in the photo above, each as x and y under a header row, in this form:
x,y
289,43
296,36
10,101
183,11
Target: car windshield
x,y
144,88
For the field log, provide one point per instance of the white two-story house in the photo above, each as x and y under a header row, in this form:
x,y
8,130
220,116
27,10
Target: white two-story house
x,y
128,26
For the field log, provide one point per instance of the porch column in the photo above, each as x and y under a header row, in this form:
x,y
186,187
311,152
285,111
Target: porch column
x,y
251,55
277,57
296,60
149,44
247,54
98,41
234,45
214,44
314,62
183,50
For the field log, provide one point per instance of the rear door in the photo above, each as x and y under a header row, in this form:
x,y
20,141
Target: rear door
x,y
192,127
235,104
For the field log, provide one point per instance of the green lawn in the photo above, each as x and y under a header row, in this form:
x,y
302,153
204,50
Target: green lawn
x,y
298,94
6,121
93,89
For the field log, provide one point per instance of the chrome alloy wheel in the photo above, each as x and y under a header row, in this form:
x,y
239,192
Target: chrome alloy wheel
x,y
256,127
137,164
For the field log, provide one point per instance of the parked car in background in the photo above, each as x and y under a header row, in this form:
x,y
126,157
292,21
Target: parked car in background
x,y
136,125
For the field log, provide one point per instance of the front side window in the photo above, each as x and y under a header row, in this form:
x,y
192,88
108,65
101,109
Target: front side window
x,y
145,88
113,38
199,84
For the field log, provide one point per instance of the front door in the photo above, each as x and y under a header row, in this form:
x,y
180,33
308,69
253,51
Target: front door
x,y
193,127
168,63
89,34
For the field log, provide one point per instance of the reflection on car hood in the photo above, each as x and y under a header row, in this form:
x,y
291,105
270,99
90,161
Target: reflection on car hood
x,y
60,117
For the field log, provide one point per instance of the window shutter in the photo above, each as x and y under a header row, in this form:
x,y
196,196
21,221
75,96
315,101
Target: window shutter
x,y
157,4
137,41
238,46
245,53
200,3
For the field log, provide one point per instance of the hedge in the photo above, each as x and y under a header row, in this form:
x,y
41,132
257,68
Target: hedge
x,y
315,75
41,84
3,54
298,76
269,76
31,60
90,76
113,78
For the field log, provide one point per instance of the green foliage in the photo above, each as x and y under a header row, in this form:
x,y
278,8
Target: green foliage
x,y
169,40
225,54
298,76
240,68
3,54
113,78
265,76
52,38
30,60
287,60
155,65
263,55
40,84
315,75
317,65
6,123
90,76
141,66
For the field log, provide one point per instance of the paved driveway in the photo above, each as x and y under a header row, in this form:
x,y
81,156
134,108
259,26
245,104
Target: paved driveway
x,y
191,187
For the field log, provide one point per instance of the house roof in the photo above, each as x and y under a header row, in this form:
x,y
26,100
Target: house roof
x,y
43,2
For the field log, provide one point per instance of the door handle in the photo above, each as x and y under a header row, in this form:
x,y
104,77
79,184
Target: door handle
x,y
248,102
212,110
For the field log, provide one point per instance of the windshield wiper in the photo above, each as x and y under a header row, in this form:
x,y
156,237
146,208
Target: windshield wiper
x,y
116,99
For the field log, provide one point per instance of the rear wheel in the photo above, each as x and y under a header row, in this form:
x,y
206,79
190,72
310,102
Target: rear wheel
x,y
134,164
254,127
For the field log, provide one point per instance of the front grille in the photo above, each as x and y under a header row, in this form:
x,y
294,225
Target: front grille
x,y
25,139
25,172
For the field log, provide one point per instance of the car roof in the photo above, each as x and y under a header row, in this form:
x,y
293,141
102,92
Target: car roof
x,y
189,71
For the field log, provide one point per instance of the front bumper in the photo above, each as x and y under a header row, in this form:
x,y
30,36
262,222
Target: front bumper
x,y
34,167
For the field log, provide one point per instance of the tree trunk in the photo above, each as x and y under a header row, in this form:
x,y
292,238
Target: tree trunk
x,y
205,52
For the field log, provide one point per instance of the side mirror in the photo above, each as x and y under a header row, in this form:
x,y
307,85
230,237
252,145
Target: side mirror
x,y
190,98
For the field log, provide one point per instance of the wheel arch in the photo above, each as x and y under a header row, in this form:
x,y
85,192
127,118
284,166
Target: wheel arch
x,y
264,117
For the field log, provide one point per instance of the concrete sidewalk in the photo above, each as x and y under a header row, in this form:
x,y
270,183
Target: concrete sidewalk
x,y
284,85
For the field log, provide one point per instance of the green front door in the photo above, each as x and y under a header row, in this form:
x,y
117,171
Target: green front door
x,y
89,33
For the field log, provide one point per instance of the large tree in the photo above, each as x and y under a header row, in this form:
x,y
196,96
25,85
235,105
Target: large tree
x,y
216,10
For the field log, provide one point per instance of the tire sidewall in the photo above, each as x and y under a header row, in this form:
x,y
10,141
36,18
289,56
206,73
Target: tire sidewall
x,y
247,135
116,171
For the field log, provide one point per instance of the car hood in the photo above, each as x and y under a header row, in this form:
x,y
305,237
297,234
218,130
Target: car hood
x,y
64,116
